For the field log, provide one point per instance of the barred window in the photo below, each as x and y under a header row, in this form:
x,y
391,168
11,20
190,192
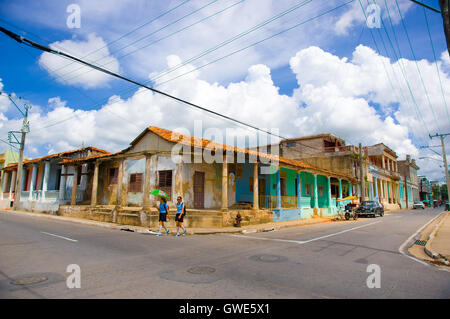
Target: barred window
x,y
135,185
165,181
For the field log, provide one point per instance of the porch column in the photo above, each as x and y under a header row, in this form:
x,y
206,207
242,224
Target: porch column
x,y
388,191
255,187
224,184
278,189
74,186
94,185
299,191
119,183
24,177
375,187
350,192
4,181
46,176
33,181
329,191
340,188
146,202
316,193
62,184
12,188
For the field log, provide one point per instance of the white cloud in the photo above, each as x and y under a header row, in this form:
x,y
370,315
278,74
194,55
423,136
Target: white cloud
x,y
337,95
355,15
72,73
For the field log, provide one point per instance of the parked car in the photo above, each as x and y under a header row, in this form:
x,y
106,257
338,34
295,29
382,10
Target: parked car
x,y
370,208
418,204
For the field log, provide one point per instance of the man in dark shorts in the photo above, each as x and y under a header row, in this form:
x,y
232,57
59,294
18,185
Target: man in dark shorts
x,y
179,216
163,215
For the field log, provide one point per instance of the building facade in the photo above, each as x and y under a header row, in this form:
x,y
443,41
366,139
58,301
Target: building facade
x,y
408,175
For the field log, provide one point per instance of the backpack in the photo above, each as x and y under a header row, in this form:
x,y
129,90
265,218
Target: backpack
x,y
184,210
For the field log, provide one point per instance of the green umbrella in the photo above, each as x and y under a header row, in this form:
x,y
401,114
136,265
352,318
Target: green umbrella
x,y
159,192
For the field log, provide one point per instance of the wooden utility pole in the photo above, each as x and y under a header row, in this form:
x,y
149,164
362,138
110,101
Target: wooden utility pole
x,y
445,6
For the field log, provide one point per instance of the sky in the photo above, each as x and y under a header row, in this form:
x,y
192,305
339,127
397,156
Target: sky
x,y
291,67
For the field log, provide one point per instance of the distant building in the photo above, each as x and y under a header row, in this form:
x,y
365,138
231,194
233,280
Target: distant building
x,y
425,191
408,173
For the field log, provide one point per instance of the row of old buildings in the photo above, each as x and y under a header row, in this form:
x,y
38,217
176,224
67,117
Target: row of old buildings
x,y
297,178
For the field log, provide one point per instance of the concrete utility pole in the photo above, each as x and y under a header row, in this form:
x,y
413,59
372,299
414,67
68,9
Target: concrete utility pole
x,y
444,156
361,172
24,131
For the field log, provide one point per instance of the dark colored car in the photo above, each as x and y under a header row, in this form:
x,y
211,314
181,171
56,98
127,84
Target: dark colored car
x,y
370,208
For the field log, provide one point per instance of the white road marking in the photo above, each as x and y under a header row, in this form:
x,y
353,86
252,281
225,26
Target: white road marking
x,y
69,239
309,240
400,249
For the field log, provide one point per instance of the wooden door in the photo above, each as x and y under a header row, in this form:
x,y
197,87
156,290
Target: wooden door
x,y
262,193
199,190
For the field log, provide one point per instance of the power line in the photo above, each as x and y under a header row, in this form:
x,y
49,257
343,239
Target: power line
x,y
223,43
140,39
129,32
426,6
415,60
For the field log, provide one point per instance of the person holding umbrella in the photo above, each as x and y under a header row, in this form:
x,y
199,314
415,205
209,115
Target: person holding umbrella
x,y
163,214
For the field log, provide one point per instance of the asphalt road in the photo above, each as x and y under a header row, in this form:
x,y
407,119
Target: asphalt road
x,y
318,261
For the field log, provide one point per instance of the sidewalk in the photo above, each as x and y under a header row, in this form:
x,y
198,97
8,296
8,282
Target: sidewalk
x,y
438,245
190,231
433,243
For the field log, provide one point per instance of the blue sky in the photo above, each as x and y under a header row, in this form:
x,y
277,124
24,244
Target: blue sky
x,y
25,72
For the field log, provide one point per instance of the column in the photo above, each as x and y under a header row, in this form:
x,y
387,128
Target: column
x,y
119,183
329,191
388,191
4,181
33,181
24,177
12,188
225,184
278,189
255,187
94,185
146,202
316,193
46,177
74,186
350,193
62,183
299,191
375,187
383,162
340,188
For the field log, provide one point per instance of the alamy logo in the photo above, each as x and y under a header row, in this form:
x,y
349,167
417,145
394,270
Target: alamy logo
x,y
373,16
74,19
74,279
374,279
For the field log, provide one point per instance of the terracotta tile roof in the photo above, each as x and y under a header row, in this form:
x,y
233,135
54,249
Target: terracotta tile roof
x,y
197,142
87,158
61,155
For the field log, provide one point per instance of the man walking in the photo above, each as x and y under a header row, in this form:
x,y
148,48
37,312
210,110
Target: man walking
x,y
181,211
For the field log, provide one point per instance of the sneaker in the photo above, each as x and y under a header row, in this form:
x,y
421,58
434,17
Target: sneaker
x,y
167,232
184,233
177,235
159,235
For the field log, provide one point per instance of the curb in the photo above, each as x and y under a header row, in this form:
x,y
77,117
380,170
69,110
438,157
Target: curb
x,y
141,229
427,247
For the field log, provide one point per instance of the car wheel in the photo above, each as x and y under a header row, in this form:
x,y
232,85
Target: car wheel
x,y
347,216
381,213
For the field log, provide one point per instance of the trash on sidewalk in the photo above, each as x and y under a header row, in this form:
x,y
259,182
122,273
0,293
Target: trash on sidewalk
x,y
127,229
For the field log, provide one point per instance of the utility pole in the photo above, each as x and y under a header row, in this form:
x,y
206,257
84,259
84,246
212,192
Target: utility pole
x,y
445,7
361,173
444,156
24,131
